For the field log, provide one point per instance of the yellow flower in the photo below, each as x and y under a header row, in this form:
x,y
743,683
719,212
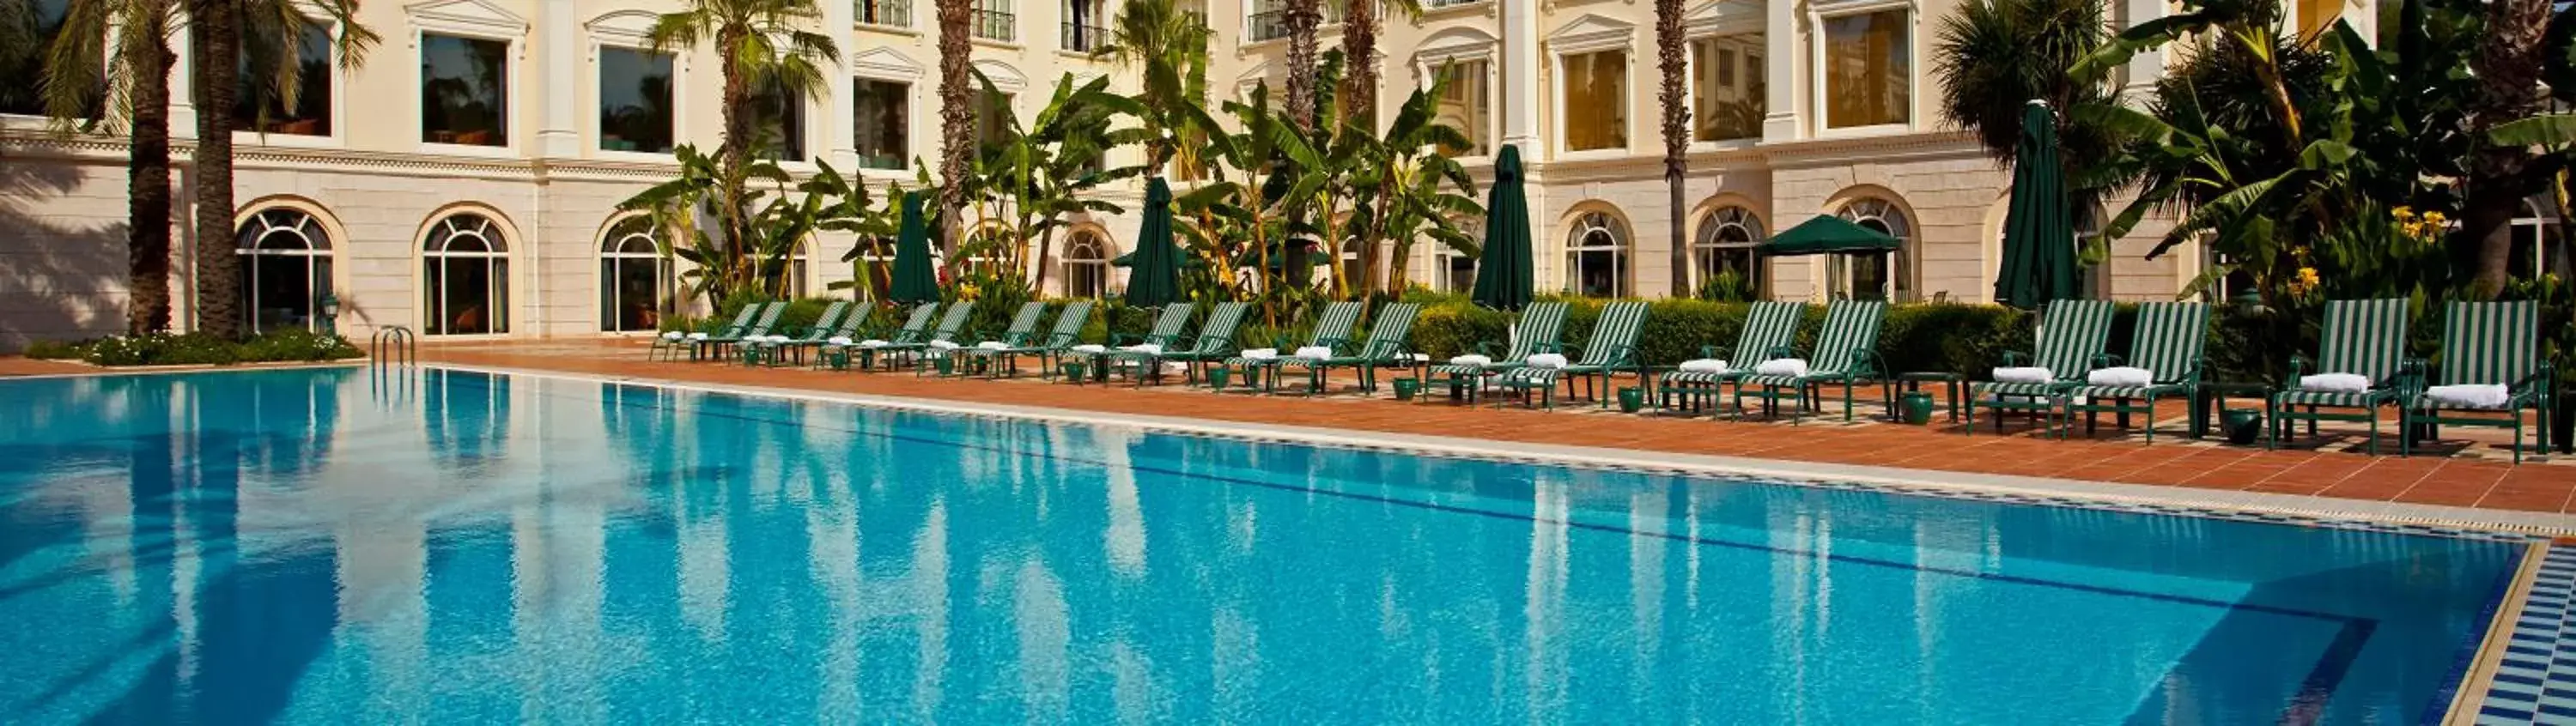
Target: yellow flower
x,y
2403,213
2434,219
2305,282
966,291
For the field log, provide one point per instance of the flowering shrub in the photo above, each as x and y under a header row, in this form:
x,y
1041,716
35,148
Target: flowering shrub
x,y
200,349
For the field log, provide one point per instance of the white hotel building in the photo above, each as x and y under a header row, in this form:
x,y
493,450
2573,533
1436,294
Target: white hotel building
x,y
463,181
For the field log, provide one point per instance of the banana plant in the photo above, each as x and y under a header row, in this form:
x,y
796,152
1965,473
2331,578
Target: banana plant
x,y
1406,190
685,208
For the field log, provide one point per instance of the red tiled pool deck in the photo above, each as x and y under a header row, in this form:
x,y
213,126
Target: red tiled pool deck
x,y
2462,474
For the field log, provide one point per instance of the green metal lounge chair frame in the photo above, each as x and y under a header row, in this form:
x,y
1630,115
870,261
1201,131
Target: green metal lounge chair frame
x,y
951,324
1540,330
1215,342
1612,348
914,327
756,352
2072,336
1332,330
1067,331
1769,327
1024,325
715,345
856,318
2362,337
2488,343
2171,339
669,348
1846,353
1166,333
1386,346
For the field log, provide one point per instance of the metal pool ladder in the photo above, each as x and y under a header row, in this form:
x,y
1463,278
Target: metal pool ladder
x,y
393,341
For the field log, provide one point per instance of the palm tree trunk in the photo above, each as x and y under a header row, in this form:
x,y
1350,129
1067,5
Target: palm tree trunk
x,y
731,154
1669,60
147,173
214,33
2507,67
1358,96
956,114
1302,17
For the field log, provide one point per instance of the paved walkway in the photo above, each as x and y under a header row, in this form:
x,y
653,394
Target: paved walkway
x,y
2470,476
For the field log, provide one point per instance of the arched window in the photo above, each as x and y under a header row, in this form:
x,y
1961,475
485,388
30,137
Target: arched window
x,y
635,285
1596,256
2537,246
285,269
1875,277
875,260
468,268
798,269
1086,265
1722,253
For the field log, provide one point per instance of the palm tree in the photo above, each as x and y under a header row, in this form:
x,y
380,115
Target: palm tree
x,y
1359,41
1170,104
138,86
2507,69
1669,47
1994,56
956,113
223,35
762,48
1301,18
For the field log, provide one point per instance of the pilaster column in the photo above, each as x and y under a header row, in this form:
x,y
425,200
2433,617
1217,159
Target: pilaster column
x,y
183,104
1780,86
559,47
840,131
2143,69
1521,87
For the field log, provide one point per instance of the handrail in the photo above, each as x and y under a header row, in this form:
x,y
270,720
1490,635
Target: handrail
x,y
396,340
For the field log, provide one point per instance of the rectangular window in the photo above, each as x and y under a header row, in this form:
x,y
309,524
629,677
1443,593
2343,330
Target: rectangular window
x,y
993,21
1084,26
1726,104
262,104
1869,68
993,120
464,90
2318,16
634,100
888,13
878,112
1596,101
778,121
1466,105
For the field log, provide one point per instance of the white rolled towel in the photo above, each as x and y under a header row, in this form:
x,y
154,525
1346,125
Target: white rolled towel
x,y
993,345
1145,348
2474,395
872,343
944,344
2121,376
1091,348
1547,360
779,339
1315,352
2024,374
842,340
1791,367
674,335
1704,365
1259,353
697,336
2335,382
1471,360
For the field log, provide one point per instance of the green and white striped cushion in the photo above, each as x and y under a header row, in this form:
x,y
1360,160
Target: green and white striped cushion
x,y
1851,326
1539,326
2367,337
1386,336
1614,335
954,321
2070,335
1768,326
1218,334
1024,323
1339,318
2170,338
2490,342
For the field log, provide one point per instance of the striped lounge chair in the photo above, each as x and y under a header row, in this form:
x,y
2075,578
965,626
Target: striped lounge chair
x,y
1846,353
914,327
1215,342
1613,348
2489,343
2170,340
2361,337
1386,346
1333,330
1024,325
1165,333
669,345
715,345
774,352
1537,332
2071,338
1067,332
1769,328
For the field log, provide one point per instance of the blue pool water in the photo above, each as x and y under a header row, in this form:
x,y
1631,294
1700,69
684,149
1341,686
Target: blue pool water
x,y
336,546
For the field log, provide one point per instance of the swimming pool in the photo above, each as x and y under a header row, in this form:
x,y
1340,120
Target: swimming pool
x,y
339,546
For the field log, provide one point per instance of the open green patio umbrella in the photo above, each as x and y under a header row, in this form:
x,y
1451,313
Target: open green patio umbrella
x,y
1503,274
1826,234
1155,280
913,282
2038,263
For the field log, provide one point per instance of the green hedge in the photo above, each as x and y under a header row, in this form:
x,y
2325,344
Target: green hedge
x,y
200,349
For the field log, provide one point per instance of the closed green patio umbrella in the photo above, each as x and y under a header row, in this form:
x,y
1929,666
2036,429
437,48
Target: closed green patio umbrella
x,y
2038,263
913,282
1155,279
1503,274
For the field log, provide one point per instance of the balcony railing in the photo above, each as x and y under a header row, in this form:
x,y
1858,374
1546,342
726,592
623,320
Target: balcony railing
x,y
996,25
1272,24
890,13
1083,37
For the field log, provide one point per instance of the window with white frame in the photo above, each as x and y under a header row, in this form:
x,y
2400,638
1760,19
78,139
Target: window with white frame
x,y
1268,19
885,13
635,109
1724,265
1596,256
1727,87
464,90
466,266
879,113
265,105
285,269
778,123
1086,265
1874,276
636,287
2538,247
1453,270
1867,68
1466,104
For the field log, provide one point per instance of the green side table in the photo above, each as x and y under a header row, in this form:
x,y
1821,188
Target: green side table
x,y
1951,387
